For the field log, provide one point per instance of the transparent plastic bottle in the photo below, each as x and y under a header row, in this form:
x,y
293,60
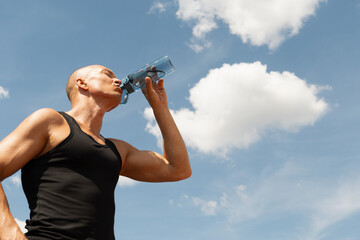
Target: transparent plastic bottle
x,y
136,80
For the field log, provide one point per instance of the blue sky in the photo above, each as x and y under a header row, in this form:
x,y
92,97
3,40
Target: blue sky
x,y
266,95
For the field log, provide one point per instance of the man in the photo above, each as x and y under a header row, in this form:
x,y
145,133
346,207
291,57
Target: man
x,y
69,170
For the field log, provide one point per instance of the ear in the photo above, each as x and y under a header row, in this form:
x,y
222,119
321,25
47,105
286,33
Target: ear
x,y
81,83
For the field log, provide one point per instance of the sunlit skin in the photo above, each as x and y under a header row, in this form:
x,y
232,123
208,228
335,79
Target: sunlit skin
x,y
93,91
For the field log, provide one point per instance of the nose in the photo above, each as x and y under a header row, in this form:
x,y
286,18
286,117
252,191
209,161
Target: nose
x,y
117,81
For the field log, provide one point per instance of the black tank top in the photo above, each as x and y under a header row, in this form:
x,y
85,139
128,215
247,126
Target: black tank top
x,y
70,189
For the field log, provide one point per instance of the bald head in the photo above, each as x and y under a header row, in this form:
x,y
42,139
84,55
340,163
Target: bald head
x,y
81,73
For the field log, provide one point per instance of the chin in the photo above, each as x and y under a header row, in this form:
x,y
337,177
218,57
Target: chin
x,y
110,109
113,107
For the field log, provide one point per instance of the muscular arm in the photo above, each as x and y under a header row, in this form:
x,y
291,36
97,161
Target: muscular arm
x,y
8,227
149,166
26,142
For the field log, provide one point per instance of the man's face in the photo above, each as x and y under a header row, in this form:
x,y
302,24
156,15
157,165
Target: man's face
x,y
104,85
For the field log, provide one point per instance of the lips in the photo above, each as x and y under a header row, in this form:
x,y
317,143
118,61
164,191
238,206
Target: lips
x,y
119,89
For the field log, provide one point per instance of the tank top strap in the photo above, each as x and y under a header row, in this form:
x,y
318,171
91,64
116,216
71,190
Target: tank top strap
x,y
70,121
76,129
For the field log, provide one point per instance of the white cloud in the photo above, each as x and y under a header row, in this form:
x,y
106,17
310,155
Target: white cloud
x,y
258,22
21,225
288,191
283,190
234,105
198,45
15,179
339,205
207,207
126,182
3,92
159,7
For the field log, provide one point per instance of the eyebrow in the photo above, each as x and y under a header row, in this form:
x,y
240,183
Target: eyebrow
x,y
108,71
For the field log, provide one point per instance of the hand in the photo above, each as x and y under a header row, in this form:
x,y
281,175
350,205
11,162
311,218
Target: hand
x,y
155,93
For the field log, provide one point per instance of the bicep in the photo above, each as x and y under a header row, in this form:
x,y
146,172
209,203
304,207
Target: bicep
x,y
147,166
23,144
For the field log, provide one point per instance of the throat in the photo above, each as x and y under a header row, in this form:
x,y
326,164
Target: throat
x,y
89,123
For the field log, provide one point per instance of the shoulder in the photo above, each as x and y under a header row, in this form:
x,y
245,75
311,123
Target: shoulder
x,y
42,121
46,116
123,148
30,139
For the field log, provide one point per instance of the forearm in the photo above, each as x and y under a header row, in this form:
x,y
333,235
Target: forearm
x,y
8,226
174,148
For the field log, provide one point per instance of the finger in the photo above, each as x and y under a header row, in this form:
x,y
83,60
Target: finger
x,y
157,85
148,85
161,83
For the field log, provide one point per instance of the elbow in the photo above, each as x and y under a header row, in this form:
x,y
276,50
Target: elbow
x,y
188,174
181,171
183,175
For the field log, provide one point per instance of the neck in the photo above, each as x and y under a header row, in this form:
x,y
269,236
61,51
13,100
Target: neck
x,y
88,118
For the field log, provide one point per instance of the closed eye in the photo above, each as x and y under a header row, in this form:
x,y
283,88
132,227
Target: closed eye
x,y
108,73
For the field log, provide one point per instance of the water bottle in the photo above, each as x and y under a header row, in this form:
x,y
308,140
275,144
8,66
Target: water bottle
x,y
136,80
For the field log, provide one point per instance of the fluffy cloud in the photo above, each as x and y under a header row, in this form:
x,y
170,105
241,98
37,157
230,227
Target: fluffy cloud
x,y
16,180
3,92
341,204
234,105
288,191
207,207
126,182
21,225
260,22
159,7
